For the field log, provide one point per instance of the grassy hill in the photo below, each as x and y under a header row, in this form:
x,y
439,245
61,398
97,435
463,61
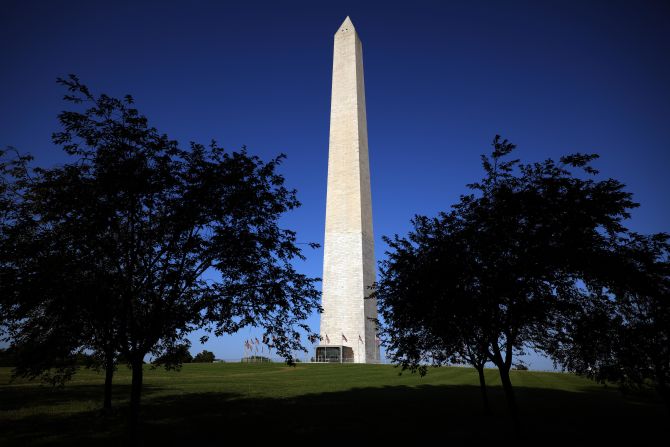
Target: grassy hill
x,y
337,403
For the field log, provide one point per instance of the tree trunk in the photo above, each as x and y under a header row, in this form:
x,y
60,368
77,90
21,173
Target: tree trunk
x,y
662,387
135,395
109,374
511,399
664,392
482,388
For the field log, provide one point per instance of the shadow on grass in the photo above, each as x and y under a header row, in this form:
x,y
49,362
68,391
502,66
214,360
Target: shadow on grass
x,y
34,393
452,413
32,413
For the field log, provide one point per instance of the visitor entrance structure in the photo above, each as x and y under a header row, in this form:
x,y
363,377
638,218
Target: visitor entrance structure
x,y
334,354
348,260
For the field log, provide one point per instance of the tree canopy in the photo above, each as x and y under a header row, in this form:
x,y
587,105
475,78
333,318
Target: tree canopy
x,y
505,268
204,357
619,330
135,242
175,356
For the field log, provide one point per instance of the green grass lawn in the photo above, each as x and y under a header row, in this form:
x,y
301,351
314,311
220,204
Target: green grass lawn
x,y
310,403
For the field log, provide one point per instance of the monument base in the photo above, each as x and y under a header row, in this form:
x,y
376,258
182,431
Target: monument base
x,y
334,354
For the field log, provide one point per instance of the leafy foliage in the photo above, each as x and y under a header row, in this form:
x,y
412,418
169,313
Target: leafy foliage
x,y
204,357
498,272
175,356
620,329
137,242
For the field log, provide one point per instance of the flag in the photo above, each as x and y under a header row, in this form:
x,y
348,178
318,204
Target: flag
x,y
344,338
327,339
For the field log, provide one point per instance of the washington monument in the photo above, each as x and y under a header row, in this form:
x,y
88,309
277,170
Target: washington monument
x,y
349,263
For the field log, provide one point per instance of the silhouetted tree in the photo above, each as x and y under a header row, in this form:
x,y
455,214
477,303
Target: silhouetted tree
x,y
175,356
204,357
620,330
422,293
57,297
7,357
521,241
153,219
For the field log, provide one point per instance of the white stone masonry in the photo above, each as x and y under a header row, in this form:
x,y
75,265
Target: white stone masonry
x,y
349,261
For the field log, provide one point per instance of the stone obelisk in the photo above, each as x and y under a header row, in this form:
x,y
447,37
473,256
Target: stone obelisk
x,y
349,262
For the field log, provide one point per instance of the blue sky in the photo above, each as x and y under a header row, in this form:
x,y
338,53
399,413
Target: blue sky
x,y
442,79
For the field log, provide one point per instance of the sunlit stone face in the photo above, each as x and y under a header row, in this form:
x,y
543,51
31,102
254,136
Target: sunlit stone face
x,y
348,265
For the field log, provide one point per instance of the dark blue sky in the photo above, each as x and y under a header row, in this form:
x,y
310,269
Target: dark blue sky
x,y
442,79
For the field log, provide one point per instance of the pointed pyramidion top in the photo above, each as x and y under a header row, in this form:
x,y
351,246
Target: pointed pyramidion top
x,y
347,27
